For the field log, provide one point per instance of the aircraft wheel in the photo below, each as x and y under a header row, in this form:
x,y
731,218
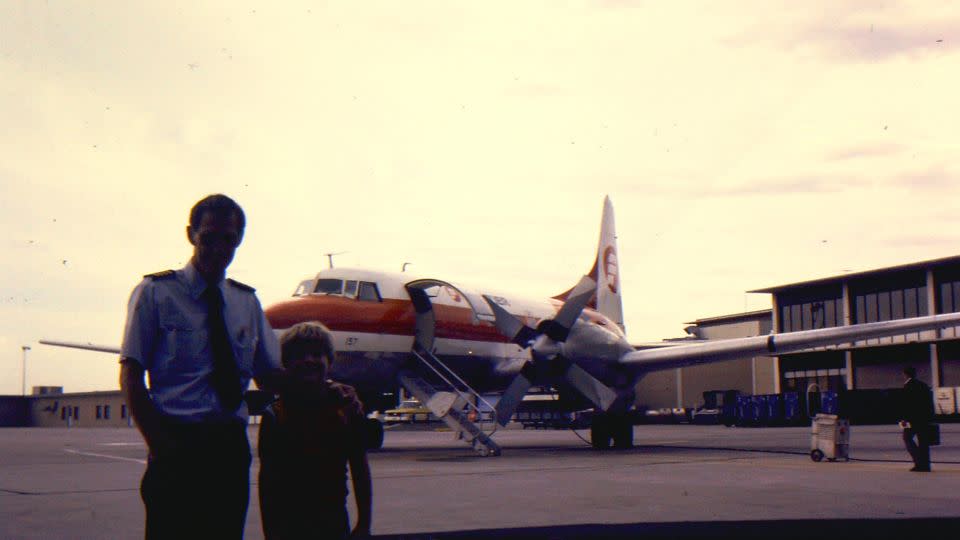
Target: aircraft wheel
x,y
600,432
622,433
816,455
374,434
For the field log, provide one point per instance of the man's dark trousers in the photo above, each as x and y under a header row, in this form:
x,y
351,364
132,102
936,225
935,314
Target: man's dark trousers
x,y
201,488
919,450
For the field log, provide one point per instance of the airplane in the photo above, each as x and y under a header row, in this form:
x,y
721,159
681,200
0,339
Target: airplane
x,y
451,345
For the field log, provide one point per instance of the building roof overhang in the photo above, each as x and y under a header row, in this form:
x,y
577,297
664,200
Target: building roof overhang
x,y
877,272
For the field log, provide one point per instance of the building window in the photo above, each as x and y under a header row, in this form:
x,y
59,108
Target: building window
x,y
889,298
949,297
99,412
76,413
106,412
64,411
810,309
123,410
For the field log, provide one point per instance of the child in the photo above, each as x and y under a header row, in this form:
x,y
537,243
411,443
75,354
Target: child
x,y
306,439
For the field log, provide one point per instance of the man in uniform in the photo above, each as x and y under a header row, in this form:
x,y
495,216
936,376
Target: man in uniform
x,y
200,338
916,417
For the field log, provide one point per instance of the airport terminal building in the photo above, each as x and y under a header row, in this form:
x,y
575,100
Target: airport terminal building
x,y
909,290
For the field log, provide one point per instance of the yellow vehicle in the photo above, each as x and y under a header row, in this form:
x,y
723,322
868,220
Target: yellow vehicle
x,y
409,411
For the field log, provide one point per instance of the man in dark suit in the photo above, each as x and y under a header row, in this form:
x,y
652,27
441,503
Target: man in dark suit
x,y
915,420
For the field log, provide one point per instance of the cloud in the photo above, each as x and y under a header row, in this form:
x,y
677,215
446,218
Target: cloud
x,y
945,242
871,150
846,33
857,43
795,185
935,178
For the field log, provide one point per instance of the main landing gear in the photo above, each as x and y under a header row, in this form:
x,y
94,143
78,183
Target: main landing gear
x,y
615,428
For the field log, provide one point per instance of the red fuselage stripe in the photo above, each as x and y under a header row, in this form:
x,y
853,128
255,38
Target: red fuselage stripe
x,y
390,316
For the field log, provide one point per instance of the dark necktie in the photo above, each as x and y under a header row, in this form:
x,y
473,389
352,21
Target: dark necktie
x,y
226,376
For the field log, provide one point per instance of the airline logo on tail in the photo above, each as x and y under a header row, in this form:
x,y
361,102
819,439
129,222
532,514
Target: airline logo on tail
x,y
610,267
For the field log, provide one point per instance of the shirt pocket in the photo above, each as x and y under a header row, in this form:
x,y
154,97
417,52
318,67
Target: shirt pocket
x,y
186,346
246,346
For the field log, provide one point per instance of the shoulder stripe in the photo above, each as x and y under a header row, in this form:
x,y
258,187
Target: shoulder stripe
x,y
161,275
242,286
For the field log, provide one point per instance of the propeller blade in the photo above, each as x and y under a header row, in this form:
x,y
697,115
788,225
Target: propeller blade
x,y
511,398
591,388
510,326
559,327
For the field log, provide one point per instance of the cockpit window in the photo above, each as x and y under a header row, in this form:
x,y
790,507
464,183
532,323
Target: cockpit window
x,y
305,287
350,288
329,286
368,292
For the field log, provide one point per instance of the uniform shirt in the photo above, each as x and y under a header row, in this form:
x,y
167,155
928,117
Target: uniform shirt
x,y
166,333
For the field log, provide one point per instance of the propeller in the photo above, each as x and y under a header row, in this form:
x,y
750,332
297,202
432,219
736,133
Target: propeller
x,y
545,344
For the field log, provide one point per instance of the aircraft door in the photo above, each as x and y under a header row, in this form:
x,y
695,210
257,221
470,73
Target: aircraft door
x,y
426,321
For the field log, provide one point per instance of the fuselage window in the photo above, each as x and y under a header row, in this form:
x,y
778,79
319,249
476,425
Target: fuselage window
x,y
350,288
329,286
368,292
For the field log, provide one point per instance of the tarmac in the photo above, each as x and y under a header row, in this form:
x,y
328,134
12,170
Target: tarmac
x,y
680,481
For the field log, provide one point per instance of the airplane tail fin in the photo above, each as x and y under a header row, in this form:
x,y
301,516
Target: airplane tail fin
x,y
606,270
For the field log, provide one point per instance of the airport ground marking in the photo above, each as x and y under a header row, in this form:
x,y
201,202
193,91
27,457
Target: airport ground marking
x,y
107,456
121,444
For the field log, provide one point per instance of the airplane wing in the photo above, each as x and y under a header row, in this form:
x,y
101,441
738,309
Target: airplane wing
x,y
728,349
84,346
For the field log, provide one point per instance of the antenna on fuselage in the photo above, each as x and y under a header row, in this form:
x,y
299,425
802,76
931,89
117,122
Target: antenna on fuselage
x,y
404,267
330,257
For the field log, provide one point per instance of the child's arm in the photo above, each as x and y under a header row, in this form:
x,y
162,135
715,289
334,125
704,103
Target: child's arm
x,y
362,491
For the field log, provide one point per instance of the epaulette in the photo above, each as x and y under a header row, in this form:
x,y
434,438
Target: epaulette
x,y
242,286
166,274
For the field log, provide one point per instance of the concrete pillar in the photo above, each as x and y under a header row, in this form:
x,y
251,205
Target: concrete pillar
x,y
847,319
848,357
932,310
776,359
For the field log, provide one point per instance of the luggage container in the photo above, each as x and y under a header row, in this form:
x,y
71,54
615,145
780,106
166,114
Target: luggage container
x,y
829,403
830,438
746,411
775,410
727,404
760,404
792,411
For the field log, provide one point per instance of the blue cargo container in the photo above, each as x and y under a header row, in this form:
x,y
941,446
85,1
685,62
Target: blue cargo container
x,y
775,410
828,402
791,408
746,411
760,405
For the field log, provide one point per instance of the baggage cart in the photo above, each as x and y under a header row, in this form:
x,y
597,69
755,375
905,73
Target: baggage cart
x,y
830,438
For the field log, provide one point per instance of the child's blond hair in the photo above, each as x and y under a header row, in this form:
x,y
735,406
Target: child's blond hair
x,y
304,338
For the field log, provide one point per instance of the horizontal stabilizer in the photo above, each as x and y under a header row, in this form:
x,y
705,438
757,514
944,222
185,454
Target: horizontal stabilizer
x,y
84,346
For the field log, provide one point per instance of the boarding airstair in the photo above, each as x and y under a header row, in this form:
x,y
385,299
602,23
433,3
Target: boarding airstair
x,y
446,394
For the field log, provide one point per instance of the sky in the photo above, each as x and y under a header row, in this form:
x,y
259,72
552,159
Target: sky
x,y
743,144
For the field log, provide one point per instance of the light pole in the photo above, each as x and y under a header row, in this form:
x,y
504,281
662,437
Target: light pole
x,y
23,383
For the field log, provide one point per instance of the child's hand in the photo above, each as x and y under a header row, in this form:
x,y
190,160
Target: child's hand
x,y
348,395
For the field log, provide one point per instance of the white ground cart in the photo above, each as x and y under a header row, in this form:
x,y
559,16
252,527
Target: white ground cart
x,y
830,438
